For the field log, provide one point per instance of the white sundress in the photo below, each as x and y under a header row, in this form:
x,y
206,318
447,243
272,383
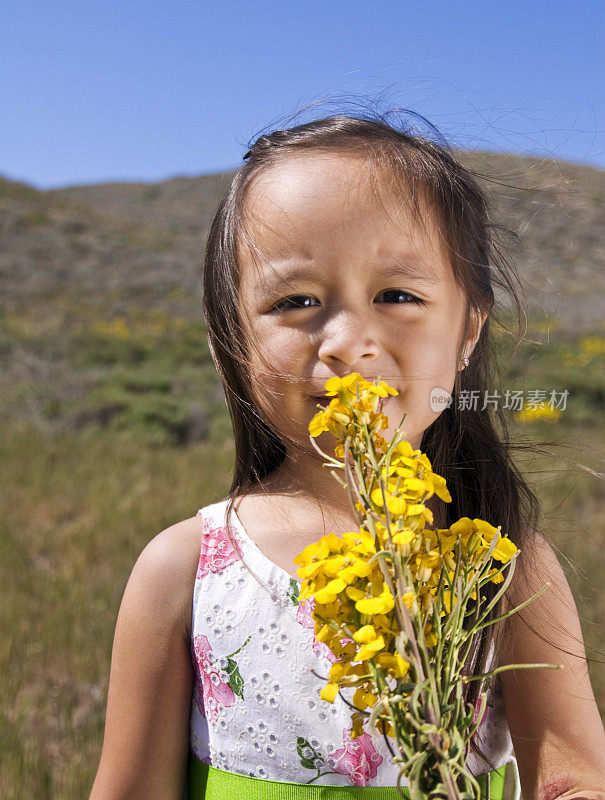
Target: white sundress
x,y
256,708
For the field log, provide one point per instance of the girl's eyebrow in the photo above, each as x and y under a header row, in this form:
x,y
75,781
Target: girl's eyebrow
x,y
405,267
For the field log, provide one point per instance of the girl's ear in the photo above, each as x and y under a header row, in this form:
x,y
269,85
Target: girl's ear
x,y
476,325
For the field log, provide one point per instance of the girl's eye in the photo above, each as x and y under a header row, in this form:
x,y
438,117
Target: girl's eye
x,y
294,302
399,296
298,301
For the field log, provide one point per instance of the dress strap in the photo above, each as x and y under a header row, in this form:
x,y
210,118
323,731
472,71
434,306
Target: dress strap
x,y
208,783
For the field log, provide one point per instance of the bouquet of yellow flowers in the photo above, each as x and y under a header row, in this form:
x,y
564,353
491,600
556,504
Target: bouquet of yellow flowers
x,y
398,603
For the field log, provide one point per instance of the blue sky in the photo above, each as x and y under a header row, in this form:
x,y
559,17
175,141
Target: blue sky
x,y
98,90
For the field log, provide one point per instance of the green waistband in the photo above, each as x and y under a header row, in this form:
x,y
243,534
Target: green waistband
x,y
209,783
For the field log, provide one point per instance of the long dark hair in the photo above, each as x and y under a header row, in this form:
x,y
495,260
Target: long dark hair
x,y
470,447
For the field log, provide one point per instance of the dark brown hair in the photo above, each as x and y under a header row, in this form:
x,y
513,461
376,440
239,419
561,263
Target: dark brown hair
x,y
470,448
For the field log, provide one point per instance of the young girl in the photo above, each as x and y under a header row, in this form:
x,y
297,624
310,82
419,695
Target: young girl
x,y
342,245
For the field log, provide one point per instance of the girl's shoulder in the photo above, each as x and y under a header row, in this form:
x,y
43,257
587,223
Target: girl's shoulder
x,y
537,565
170,562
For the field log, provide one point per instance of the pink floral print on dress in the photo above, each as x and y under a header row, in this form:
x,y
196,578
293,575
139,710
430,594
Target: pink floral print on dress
x,y
211,690
304,617
358,759
217,551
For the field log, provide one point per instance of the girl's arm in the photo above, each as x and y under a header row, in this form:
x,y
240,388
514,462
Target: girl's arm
x,y
553,717
146,742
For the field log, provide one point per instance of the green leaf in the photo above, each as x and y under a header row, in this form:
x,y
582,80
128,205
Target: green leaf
x,y
236,683
293,592
309,757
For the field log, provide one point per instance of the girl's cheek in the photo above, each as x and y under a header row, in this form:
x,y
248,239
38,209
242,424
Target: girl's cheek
x,y
440,361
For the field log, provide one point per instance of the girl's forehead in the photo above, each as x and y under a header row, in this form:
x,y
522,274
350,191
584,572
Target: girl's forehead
x,y
318,205
299,182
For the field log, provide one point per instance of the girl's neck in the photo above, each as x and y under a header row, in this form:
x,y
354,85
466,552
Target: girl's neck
x,y
305,487
306,483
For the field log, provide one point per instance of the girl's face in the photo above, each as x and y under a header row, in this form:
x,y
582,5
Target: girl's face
x,y
339,280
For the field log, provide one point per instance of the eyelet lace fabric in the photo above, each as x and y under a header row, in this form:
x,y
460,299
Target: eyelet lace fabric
x,y
256,708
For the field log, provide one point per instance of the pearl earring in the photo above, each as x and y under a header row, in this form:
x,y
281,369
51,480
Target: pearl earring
x,y
465,361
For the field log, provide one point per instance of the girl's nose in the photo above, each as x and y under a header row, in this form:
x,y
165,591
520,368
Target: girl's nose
x,y
348,338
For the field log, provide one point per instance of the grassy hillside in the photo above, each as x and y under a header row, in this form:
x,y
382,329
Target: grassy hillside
x,y
115,426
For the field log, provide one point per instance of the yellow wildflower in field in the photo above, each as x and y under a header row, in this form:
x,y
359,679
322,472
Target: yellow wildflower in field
x,y
543,411
117,328
589,348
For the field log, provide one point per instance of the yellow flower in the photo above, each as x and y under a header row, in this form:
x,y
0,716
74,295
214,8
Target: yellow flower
x,y
403,471
334,564
425,563
382,531
361,541
542,411
338,412
465,529
447,539
357,718
324,634
329,692
415,488
330,592
363,698
396,505
403,539
394,663
382,389
421,514
346,650
381,604
429,636
336,419
369,650
505,549
408,599
384,622
318,551
447,602
338,670
365,634
335,385
402,450
439,486
380,443
319,423
485,529
423,459
498,577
